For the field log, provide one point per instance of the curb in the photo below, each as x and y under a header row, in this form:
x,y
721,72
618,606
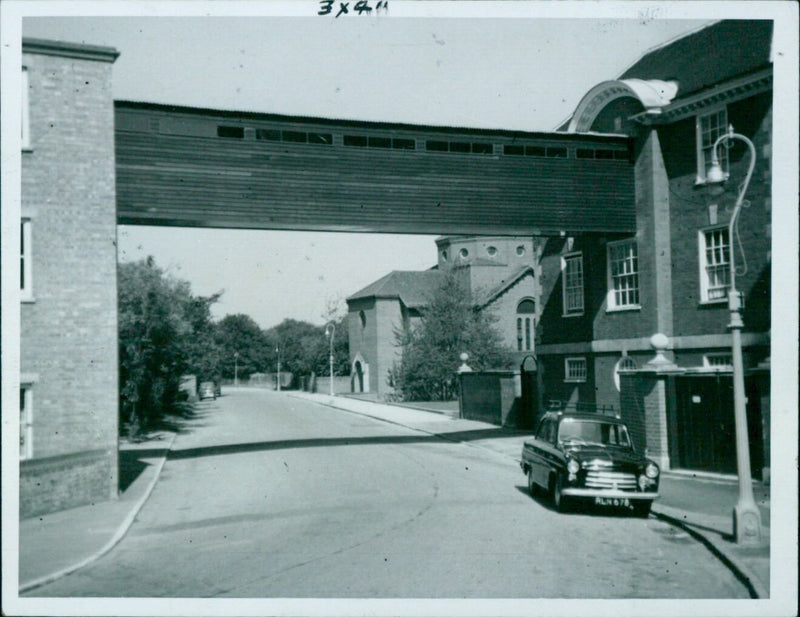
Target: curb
x,y
115,539
743,573
443,436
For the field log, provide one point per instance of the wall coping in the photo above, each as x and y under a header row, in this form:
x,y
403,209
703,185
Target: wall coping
x,y
65,49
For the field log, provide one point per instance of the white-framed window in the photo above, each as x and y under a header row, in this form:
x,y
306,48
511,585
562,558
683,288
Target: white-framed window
x,y
25,422
718,360
26,122
715,259
623,275
575,369
572,283
526,312
709,127
625,363
25,261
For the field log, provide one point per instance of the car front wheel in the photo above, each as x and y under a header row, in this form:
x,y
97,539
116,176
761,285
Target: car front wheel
x,y
559,500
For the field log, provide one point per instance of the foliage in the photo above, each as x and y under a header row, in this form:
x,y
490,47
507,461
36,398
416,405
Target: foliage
x,y
305,348
449,326
244,346
159,324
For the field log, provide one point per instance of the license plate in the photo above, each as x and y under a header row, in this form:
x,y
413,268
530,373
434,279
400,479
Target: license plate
x,y
612,501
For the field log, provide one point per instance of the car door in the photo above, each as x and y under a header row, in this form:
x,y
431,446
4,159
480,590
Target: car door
x,y
541,446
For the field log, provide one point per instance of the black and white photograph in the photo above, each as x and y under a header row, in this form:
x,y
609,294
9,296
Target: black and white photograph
x,y
385,307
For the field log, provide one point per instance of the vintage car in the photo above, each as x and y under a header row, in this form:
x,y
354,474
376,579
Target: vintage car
x,y
207,390
589,456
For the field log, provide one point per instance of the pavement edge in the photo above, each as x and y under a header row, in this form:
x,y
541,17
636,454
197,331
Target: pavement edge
x,y
115,539
743,573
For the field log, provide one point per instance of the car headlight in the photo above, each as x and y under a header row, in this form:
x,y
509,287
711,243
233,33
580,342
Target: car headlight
x,y
573,466
651,471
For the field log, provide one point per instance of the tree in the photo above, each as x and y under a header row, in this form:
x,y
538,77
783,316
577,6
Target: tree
x,y
244,346
450,324
159,322
204,355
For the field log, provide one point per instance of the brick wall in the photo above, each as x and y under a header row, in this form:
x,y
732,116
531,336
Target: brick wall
x,y
388,318
61,482
690,212
69,329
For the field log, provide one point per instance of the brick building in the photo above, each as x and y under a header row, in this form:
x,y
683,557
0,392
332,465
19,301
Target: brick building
x,y
68,332
499,271
604,296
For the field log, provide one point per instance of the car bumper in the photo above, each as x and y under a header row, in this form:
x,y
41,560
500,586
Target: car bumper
x,y
610,493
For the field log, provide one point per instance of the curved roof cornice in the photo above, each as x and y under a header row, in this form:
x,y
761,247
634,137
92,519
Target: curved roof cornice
x,y
652,93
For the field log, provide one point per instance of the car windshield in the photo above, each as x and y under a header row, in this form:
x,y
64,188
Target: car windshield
x,y
593,432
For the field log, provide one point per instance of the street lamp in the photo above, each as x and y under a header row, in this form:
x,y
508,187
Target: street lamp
x,y
746,516
278,375
330,331
235,368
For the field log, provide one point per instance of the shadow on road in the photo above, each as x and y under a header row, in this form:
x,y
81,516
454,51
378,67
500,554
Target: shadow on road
x,y
323,442
132,459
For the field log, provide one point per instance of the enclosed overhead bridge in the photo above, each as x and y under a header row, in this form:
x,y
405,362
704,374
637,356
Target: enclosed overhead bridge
x,y
208,168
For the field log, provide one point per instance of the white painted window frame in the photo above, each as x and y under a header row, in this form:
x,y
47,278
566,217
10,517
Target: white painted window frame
x,y
575,257
702,163
625,363
708,360
611,281
705,282
26,118
26,259
26,422
570,375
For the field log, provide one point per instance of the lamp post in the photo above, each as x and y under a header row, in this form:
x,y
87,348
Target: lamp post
x,y
235,368
330,331
746,516
278,375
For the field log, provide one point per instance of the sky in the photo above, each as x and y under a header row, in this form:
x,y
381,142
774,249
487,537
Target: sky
x,y
524,73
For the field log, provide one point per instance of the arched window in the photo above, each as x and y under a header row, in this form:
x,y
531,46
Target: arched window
x,y
526,315
625,363
362,318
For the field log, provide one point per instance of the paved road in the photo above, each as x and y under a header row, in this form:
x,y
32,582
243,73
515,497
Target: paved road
x,y
270,496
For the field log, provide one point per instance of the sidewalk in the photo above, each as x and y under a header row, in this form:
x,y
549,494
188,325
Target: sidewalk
x,y
51,546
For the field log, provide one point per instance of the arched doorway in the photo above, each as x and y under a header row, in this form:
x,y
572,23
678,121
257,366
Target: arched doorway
x,y
359,375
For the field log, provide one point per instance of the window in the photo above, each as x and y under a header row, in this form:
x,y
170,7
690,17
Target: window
x,y
572,283
26,128
526,311
297,137
709,127
463,253
403,144
358,141
722,361
25,261
230,132
575,369
626,363
491,251
25,422
714,264
623,275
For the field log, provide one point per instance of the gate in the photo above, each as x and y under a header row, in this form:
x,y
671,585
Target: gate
x,y
529,401
704,435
